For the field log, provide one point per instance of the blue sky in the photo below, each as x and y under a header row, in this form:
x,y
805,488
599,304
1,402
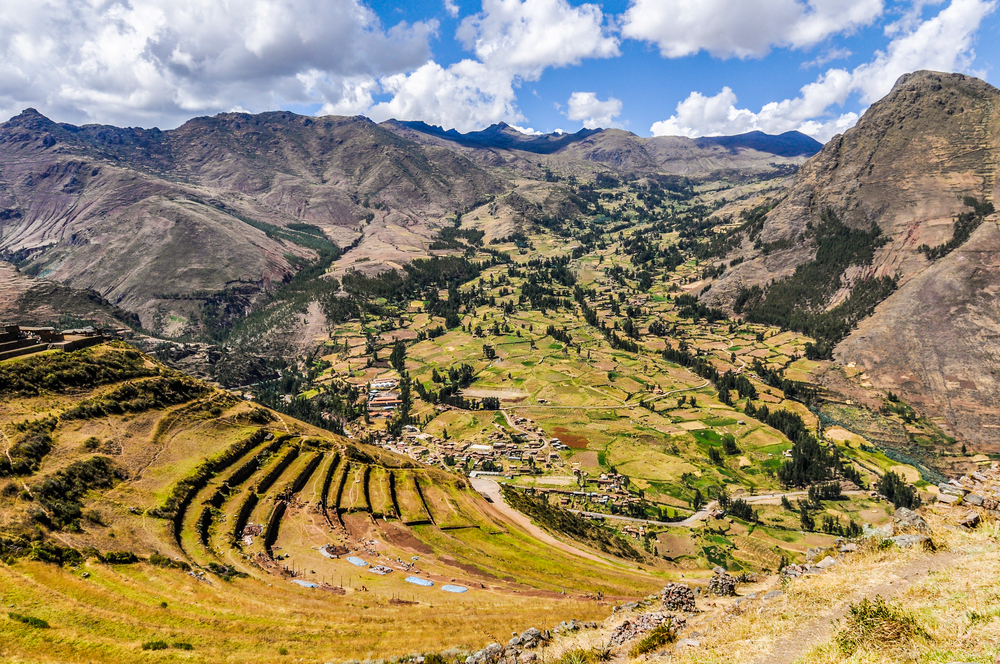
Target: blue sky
x,y
689,67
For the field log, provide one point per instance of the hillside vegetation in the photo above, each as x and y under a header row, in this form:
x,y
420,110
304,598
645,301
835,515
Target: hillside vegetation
x,y
129,525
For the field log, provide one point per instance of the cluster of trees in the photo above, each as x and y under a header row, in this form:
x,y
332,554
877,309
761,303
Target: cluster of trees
x,y
811,462
965,224
32,445
895,488
799,302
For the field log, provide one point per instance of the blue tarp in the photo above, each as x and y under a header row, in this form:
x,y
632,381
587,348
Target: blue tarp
x,y
304,583
354,560
418,581
454,589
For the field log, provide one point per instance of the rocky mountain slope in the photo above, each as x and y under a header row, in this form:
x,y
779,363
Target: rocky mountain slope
x,y
161,222
905,168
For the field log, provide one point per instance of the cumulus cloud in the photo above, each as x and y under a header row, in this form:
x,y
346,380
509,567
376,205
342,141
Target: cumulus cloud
x,y
742,28
594,113
942,42
160,61
451,7
513,41
525,37
467,95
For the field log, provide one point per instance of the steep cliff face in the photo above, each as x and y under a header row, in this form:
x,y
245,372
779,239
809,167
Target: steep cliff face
x,y
905,168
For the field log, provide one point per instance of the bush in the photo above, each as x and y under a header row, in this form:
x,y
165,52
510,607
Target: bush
x,y
119,558
660,636
876,624
29,620
162,561
155,645
183,646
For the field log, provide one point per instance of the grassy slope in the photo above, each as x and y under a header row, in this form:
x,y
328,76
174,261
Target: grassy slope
x,y
514,581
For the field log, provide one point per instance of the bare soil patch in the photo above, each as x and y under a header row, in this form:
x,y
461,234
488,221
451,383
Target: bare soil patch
x,y
572,440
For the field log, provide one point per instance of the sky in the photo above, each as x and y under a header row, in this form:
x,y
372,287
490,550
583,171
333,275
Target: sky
x,y
652,67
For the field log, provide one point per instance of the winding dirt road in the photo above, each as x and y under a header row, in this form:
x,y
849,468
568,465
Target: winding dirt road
x,y
491,490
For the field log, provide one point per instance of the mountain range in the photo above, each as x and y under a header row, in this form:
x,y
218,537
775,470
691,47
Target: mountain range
x,y
160,223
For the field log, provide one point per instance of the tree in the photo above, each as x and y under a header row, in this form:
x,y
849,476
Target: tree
x,y
398,356
805,518
697,501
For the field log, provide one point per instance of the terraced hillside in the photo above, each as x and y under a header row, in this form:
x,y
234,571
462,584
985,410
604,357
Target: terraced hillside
x,y
138,505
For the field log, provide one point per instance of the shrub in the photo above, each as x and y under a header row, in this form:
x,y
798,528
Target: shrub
x,y
155,645
575,656
162,561
658,637
876,624
183,646
29,620
119,558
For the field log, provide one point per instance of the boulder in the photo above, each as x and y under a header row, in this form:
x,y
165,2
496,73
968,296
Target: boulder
x,y
951,489
974,499
970,520
906,520
850,547
949,499
826,563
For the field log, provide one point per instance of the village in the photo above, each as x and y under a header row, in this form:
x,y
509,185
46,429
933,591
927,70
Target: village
x,y
528,454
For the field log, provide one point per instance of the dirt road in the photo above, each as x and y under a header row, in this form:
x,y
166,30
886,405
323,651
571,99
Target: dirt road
x,y
491,490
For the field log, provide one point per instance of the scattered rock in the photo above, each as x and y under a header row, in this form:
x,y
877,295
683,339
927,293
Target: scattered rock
x,y
949,499
771,595
910,541
814,553
527,657
974,499
687,643
636,627
850,547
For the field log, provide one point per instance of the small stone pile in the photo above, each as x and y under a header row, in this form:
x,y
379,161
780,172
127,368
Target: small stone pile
x,y
645,622
678,597
721,583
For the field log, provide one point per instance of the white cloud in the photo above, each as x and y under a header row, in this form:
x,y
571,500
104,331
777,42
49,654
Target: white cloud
x,y
827,56
160,61
594,113
943,42
451,7
525,37
513,41
742,28
465,96
528,131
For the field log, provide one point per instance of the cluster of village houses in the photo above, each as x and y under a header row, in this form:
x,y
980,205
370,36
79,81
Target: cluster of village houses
x,y
500,454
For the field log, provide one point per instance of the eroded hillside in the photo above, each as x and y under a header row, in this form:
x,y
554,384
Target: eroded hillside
x,y
918,175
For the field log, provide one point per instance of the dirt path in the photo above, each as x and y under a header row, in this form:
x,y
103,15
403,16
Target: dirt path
x,y
491,490
793,645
